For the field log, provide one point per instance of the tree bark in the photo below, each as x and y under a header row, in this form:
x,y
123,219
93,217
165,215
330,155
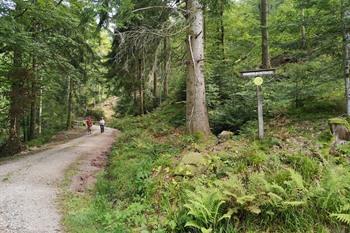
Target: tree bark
x,y
40,113
69,103
346,44
155,78
33,104
264,34
141,87
155,86
166,67
18,104
303,30
196,109
26,128
222,29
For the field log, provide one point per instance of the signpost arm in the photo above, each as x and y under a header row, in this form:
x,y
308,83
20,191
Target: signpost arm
x,y
260,111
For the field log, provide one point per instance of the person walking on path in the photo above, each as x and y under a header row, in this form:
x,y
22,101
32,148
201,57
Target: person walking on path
x,y
89,124
102,124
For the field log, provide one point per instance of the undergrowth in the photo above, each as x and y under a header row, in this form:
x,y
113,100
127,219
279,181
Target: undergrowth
x,y
285,183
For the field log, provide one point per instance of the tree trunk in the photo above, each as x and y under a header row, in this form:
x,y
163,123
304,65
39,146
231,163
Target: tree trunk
x,y
155,78
303,30
69,103
155,86
264,34
166,67
26,128
222,29
40,114
17,96
33,104
134,96
346,43
205,15
141,87
196,108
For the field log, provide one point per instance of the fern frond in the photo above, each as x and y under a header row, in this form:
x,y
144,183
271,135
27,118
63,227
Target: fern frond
x,y
296,178
294,203
192,224
344,218
274,197
244,199
277,189
228,215
345,208
204,230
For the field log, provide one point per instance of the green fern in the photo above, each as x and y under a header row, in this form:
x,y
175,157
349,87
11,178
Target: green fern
x,y
294,203
204,207
344,218
296,179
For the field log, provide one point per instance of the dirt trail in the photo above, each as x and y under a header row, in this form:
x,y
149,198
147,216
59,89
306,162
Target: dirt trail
x,y
29,186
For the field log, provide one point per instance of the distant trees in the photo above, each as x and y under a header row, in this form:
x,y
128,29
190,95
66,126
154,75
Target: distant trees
x,y
163,50
140,61
41,44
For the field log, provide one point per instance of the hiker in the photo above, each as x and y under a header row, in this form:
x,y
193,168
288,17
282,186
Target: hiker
x,y
102,124
89,124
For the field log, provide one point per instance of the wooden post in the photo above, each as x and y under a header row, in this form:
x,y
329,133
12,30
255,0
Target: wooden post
x,y
260,111
258,81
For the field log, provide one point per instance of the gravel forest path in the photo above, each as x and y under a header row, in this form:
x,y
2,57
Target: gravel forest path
x,y
29,186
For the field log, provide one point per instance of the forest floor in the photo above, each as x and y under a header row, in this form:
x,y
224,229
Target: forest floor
x,y
160,179
30,186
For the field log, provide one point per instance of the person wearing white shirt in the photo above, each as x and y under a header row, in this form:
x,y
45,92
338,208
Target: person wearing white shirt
x,y
102,124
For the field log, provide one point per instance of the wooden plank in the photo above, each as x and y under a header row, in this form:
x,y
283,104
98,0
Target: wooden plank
x,y
254,73
260,111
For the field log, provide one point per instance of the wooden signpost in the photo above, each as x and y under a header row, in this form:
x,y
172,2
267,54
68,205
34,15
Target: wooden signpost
x,y
258,81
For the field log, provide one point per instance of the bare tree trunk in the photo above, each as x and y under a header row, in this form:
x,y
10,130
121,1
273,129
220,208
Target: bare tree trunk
x,y
205,27
154,76
141,87
222,29
196,109
346,38
134,96
40,114
155,86
18,97
69,103
26,128
264,34
303,30
33,104
166,67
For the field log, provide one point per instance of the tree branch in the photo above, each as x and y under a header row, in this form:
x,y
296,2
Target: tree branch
x,y
153,7
59,3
